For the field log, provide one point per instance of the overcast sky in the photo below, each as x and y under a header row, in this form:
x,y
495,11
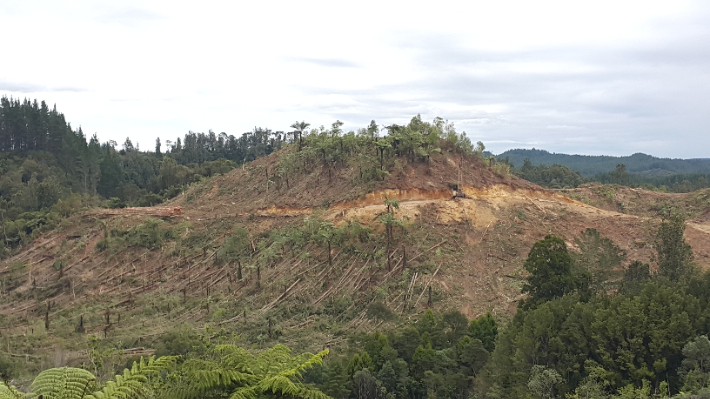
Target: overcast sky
x,y
597,77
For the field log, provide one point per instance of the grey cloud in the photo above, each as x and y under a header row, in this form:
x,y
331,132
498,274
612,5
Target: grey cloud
x,y
68,88
25,87
129,16
20,87
328,62
620,101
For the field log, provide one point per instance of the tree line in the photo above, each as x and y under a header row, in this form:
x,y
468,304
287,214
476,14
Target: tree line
x,y
48,169
589,165
558,176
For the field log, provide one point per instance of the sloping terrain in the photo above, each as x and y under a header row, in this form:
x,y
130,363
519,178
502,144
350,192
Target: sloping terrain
x,y
461,241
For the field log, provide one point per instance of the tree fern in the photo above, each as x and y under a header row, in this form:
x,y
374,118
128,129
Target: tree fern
x,y
283,384
74,383
197,377
63,383
132,382
278,385
231,370
10,392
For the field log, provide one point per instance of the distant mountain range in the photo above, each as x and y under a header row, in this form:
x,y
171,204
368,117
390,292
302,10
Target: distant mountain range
x,y
590,165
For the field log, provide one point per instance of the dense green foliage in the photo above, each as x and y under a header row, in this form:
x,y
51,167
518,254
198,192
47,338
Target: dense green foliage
x,y
206,371
555,176
678,183
550,268
674,255
599,257
647,338
439,356
76,383
632,338
373,154
638,170
588,165
226,369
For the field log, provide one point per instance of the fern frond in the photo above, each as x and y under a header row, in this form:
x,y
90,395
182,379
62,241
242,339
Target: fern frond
x,y
153,366
198,377
313,360
132,383
10,392
244,393
63,382
280,386
235,357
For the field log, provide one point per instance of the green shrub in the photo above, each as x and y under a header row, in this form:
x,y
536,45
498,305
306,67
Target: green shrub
x,y
147,235
379,311
102,245
150,200
116,203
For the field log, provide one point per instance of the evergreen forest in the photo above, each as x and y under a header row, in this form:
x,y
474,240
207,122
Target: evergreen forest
x,y
559,171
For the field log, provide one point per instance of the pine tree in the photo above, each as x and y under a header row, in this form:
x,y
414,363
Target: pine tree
x,y
675,256
599,257
550,268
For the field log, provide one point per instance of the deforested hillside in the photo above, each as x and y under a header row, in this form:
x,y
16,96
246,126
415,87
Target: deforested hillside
x,y
335,234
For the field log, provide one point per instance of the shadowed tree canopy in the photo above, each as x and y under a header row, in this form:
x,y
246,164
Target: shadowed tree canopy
x,y
550,267
675,256
598,256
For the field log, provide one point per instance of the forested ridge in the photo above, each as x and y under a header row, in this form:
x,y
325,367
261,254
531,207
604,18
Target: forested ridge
x,y
591,165
49,169
564,171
